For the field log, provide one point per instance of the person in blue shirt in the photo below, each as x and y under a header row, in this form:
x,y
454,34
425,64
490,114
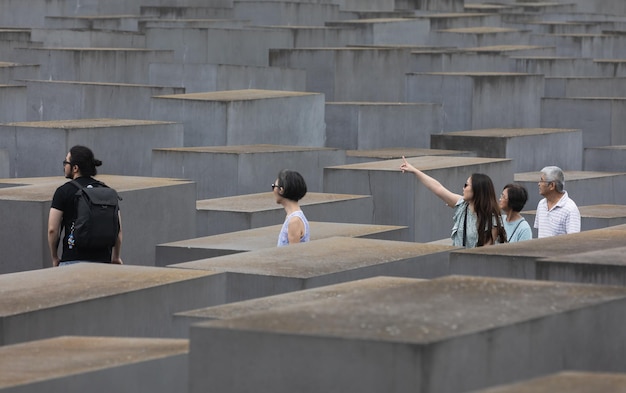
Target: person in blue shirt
x,y
512,201
288,188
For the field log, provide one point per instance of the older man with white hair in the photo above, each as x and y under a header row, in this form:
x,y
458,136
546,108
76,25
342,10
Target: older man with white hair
x,y
556,214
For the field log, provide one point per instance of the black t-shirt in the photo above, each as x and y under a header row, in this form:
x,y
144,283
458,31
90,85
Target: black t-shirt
x,y
64,199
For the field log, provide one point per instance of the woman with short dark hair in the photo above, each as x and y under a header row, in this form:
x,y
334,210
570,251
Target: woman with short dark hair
x,y
288,189
512,201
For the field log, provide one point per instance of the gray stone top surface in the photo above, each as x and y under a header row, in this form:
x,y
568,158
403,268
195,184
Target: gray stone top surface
x,y
265,201
33,290
427,311
614,147
448,15
569,175
383,104
238,95
597,239
398,152
486,74
100,49
510,132
501,48
316,258
481,30
266,237
336,291
41,189
367,21
603,211
422,163
566,382
85,123
58,357
246,149
92,83
605,257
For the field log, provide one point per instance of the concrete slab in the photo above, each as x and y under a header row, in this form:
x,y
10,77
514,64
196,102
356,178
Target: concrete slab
x,y
243,169
12,103
285,12
11,38
389,31
322,262
94,21
4,163
349,74
479,36
303,36
552,66
493,331
582,186
245,117
606,267
610,7
477,6
453,60
63,100
235,46
270,303
94,364
263,238
455,6
198,78
364,125
525,146
618,66
603,120
114,65
25,205
401,200
520,260
360,156
448,19
124,146
88,38
566,381
209,18
605,158
586,86
219,11
591,217
600,46
94,299
480,100
13,73
241,212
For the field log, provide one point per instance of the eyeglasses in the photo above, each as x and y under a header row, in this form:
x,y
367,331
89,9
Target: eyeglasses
x,y
66,163
465,185
502,196
274,185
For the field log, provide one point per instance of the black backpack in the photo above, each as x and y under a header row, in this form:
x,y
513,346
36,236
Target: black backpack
x,y
97,222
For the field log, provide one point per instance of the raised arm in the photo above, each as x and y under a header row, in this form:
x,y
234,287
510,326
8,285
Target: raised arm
x,y
432,184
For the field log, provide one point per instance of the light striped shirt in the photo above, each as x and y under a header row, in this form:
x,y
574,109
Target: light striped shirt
x,y
563,218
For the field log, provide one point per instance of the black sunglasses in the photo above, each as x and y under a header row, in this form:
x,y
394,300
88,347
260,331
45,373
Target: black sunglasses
x,y
274,185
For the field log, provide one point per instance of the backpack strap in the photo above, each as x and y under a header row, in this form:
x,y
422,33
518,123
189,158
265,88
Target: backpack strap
x,y
76,184
514,230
